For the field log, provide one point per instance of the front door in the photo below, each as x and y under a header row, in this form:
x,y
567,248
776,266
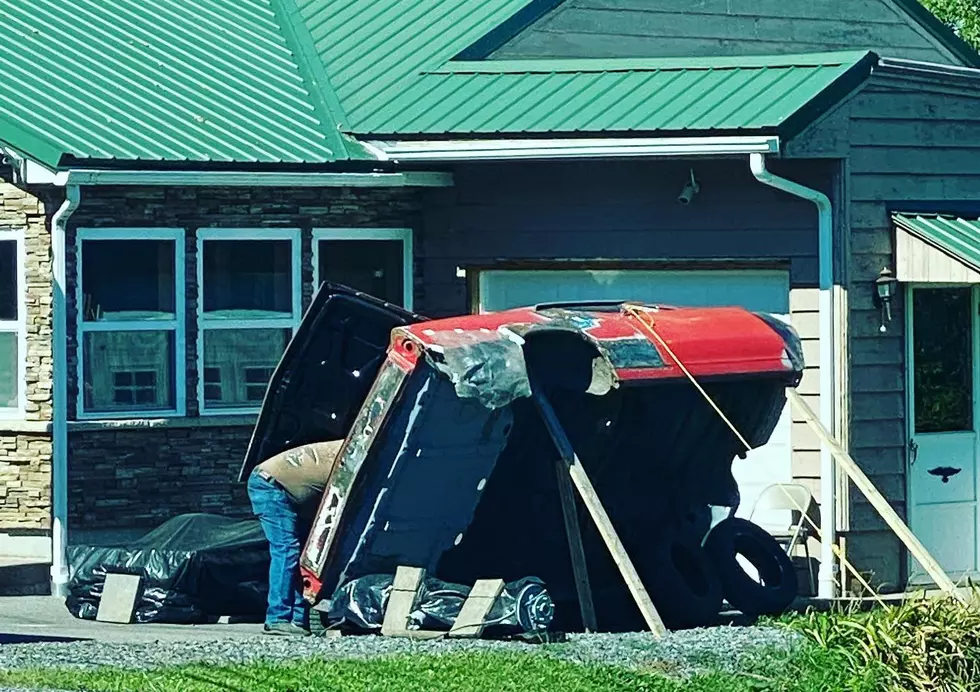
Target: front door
x,y
942,446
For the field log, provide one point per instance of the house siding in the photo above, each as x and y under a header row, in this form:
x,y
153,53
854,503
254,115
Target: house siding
x,y
628,212
683,28
126,474
25,445
911,144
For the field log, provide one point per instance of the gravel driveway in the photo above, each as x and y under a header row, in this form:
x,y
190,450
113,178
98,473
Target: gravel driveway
x,y
680,652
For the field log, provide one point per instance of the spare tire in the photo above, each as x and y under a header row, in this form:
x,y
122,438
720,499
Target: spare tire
x,y
681,581
737,537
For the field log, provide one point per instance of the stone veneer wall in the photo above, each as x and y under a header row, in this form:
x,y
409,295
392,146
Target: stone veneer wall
x,y
129,474
25,445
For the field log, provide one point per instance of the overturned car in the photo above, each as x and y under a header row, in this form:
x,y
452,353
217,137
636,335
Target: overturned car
x,y
448,463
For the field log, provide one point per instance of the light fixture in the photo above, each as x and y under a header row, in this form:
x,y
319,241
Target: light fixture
x,y
885,289
691,188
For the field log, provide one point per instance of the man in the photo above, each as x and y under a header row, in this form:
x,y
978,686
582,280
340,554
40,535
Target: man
x,y
285,491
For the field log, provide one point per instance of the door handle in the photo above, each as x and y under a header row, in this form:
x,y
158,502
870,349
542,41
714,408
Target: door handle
x,y
913,452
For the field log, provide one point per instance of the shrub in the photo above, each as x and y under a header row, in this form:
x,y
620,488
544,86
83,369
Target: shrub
x,y
923,645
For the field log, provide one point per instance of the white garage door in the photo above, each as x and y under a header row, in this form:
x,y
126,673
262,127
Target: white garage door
x,y
761,291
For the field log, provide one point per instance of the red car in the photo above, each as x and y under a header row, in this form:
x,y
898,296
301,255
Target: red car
x,y
447,464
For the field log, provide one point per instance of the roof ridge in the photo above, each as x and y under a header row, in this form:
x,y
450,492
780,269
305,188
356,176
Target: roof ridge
x,y
323,98
542,65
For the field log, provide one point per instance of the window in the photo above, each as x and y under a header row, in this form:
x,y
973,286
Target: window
x,y
130,321
377,261
12,322
249,309
942,352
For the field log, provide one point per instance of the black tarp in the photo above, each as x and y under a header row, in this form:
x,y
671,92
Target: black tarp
x,y
194,567
523,607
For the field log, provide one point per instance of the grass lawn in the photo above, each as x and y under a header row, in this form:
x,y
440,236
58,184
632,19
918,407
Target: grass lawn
x,y
812,671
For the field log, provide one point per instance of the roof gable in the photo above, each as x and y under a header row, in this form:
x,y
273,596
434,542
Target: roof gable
x,y
682,28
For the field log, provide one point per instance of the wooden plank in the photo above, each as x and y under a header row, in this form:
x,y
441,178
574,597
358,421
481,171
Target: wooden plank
x,y
119,594
401,600
591,500
469,623
576,551
864,484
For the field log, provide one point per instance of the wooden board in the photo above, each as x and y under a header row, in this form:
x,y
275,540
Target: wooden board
x,y
573,533
598,513
877,500
401,600
470,621
119,596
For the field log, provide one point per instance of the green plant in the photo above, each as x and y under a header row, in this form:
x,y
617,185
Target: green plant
x,y
923,645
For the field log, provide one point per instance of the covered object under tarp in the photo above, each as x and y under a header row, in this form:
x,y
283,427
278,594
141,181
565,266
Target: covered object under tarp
x,y
194,568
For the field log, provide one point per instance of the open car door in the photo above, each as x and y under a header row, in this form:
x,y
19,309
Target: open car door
x,y
325,372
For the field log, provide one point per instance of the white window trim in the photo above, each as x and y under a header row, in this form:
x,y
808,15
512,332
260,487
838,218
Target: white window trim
x,y
294,235
402,234
19,326
178,324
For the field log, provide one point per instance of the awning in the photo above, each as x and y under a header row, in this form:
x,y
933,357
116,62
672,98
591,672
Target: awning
x,y
937,248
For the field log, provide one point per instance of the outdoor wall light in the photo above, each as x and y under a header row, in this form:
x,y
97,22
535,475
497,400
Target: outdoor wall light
x,y
886,286
691,188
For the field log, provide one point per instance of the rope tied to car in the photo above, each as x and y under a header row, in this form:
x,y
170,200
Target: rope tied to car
x,y
642,316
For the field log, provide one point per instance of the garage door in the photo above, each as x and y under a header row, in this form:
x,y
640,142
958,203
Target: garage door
x,y
762,291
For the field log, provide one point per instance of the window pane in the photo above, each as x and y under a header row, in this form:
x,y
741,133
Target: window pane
x,y
238,364
372,266
8,280
129,371
943,347
245,279
128,279
9,372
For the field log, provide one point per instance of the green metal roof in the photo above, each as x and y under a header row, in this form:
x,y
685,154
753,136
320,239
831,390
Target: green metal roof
x,y
956,236
289,81
654,96
211,80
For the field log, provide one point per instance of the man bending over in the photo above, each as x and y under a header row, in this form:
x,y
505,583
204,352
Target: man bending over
x,y
285,491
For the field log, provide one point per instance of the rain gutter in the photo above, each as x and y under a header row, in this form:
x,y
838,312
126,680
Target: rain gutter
x,y
254,178
827,585
59,403
511,149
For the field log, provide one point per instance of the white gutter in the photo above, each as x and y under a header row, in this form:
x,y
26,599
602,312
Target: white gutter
x,y
59,395
254,179
828,488
498,149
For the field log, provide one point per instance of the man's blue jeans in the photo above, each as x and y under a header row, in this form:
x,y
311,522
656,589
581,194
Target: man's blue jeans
x,y
280,523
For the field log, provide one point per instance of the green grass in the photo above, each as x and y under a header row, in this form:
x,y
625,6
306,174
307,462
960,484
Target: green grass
x,y
921,646
812,671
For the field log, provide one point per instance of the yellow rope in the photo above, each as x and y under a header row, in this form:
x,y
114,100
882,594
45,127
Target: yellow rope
x,y
641,316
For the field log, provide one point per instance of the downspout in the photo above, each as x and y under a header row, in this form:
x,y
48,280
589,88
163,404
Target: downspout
x,y
59,404
827,586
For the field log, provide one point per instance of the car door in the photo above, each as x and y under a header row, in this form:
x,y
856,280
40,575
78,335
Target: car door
x,y
325,372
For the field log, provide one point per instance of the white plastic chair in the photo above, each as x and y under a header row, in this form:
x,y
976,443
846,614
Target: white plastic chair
x,y
790,497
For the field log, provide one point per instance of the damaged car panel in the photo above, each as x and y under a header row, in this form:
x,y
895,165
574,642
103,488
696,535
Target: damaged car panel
x,y
447,454
325,372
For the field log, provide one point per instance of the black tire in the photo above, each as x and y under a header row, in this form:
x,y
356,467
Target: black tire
x,y
779,587
682,582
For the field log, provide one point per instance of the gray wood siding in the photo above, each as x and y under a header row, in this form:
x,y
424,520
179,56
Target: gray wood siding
x,y
910,144
681,28
628,211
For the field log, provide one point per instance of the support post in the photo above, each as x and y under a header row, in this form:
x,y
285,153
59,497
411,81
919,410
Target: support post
x,y
591,500
864,484
576,551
